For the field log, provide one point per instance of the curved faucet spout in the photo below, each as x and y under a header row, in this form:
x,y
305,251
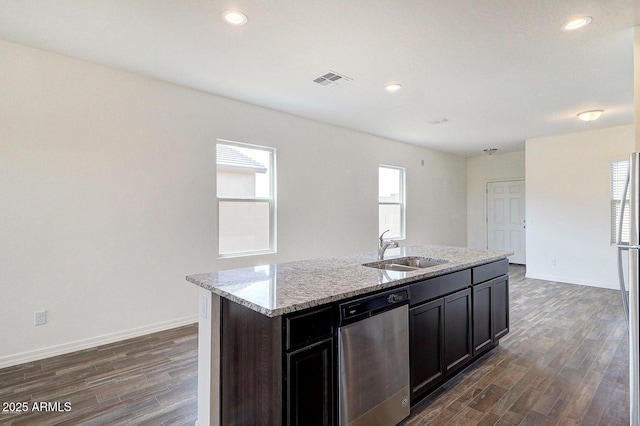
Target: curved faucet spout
x,y
382,235
383,245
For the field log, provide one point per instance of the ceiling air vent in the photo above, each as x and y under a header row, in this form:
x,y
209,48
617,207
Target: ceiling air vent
x,y
332,79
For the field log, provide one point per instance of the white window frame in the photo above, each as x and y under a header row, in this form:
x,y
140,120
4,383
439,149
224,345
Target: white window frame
x,y
271,199
402,203
618,170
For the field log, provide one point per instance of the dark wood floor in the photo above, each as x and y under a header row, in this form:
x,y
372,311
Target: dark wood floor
x,y
565,362
150,380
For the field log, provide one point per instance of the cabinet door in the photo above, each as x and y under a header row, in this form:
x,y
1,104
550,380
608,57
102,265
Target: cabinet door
x,y
490,313
310,385
426,325
482,317
500,307
458,348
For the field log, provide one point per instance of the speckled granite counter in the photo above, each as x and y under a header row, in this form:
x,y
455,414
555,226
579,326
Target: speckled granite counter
x,y
278,289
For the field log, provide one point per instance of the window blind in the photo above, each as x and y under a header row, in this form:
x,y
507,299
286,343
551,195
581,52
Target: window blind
x,y
619,171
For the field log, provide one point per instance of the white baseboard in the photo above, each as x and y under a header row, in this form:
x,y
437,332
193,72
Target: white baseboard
x,y
65,348
569,280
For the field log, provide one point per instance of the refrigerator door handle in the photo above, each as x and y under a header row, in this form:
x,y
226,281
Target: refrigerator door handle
x,y
624,246
634,337
622,249
634,279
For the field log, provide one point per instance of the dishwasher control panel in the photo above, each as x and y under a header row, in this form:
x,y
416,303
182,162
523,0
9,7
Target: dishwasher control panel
x,y
372,305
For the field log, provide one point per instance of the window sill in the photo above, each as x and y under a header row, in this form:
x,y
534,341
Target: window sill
x,y
245,254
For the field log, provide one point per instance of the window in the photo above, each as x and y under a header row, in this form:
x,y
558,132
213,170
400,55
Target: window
x,y
391,201
619,171
246,198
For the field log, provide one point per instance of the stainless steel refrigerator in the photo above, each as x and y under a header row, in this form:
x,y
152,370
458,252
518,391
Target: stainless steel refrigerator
x,y
629,273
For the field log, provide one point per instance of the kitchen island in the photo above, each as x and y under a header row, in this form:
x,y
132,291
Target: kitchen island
x,y
267,334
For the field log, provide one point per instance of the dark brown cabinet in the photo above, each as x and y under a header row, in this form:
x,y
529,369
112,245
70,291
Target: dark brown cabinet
x,y
251,367
440,340
310,385
277,370
500,307
457,330
490,306
482,317
453,318
310,367
426,325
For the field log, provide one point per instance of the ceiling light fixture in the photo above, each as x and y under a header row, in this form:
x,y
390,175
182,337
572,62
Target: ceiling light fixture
x,y
393,87
574,24
590,115
490,151
234,17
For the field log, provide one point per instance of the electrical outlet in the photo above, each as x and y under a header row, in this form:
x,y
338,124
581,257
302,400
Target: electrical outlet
x,y
39,317
204,307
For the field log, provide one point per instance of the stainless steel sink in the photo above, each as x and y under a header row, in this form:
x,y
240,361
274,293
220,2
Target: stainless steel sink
x,y
410,263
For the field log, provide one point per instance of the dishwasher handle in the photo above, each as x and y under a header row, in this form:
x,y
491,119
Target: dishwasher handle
x,y
357,310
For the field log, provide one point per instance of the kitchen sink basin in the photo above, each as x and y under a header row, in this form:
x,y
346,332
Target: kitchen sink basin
x,y
411,263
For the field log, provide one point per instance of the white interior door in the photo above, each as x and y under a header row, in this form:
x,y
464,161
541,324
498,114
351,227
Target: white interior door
x,y
506,218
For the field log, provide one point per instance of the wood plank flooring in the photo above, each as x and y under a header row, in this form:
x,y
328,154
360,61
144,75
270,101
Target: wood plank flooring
x,y
565,362
150,380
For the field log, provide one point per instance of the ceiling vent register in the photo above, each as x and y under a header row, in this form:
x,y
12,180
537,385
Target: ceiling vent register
x,y
332,79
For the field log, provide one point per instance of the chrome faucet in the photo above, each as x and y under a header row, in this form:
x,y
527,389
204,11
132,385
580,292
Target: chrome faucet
x,y
383,245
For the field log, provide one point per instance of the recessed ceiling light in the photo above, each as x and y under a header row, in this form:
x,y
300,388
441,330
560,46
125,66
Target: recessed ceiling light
x,y
574,24
590,115
234,17
393,87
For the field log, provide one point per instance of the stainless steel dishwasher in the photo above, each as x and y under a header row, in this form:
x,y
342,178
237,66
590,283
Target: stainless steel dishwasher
x,y
373,356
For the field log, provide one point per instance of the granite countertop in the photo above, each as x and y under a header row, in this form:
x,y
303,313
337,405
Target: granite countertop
x,y
278,289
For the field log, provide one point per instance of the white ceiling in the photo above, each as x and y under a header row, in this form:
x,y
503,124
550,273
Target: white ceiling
x,y
500,71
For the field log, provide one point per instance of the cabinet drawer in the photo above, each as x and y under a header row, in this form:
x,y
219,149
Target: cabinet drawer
x,y
308,327
432,288
490,270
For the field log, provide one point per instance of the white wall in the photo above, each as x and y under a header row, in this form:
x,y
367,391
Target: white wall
x,y
636,80
480,170
568,205
107,192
